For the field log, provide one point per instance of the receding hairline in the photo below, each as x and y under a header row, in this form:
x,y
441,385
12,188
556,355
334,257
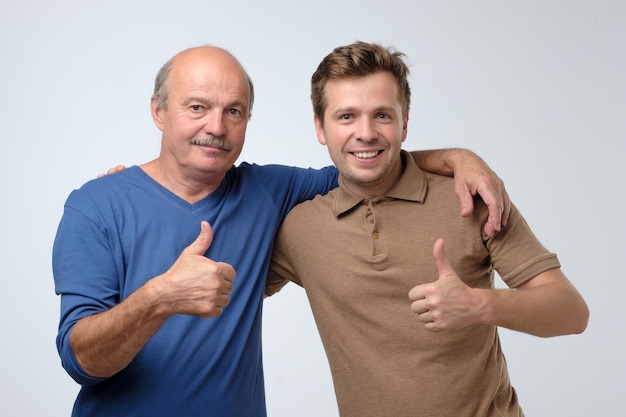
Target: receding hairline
x,y
161,87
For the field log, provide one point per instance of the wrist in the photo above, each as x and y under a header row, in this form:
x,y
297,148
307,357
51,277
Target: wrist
x,y
456,158
155,298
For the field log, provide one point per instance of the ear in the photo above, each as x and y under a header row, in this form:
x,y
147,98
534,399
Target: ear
x,y
405,127
156,112
319,129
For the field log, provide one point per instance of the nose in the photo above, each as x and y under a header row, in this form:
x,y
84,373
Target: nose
x,y
214,123
366,130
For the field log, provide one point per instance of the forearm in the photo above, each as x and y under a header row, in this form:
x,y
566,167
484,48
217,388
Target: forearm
x,y
105,343
548,307
446,161
437,161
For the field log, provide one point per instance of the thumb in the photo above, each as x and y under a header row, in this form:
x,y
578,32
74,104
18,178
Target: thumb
x,y
203,241
443,265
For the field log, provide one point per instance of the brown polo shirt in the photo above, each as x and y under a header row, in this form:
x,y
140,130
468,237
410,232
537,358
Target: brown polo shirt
x,y
357,259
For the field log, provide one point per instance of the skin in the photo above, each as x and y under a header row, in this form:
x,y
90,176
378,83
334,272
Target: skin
x,y
364,129
209,95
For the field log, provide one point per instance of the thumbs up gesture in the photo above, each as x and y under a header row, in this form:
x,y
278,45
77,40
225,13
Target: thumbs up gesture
x,y
195,284
447,303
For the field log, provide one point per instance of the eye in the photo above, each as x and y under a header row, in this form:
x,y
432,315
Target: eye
x,y
345,117
195,107
382,116
234,112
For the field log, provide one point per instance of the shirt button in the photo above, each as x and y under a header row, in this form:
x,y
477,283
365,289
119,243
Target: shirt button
x,y
375,235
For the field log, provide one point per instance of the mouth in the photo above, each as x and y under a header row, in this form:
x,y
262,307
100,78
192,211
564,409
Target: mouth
x,y
213,142
366,155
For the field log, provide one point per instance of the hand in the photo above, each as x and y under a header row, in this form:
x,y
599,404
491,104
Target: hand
x,y
473,176
114,170
445,304
196,285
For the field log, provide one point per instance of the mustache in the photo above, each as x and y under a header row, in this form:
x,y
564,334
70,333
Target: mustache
x,y
213,141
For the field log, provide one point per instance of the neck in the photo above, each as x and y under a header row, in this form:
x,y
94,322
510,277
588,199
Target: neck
x,y
377,188
190,186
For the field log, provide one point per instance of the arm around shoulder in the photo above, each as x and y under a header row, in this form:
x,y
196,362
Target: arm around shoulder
x,y
472,176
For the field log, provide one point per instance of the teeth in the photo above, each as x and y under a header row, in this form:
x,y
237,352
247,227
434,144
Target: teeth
x,y
365,155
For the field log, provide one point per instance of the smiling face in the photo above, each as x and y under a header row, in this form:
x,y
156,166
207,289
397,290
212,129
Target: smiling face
x,y
205,114
363,127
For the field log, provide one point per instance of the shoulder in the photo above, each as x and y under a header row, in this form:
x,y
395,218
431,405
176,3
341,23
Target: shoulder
x,y
109,180
107,191
281,171
312,212
442,198
440,190
439,182
287,185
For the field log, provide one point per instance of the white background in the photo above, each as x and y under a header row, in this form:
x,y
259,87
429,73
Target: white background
x,y
537,88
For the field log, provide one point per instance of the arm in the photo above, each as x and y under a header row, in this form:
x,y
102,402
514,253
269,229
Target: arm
x,y
546,305
472,176
105,343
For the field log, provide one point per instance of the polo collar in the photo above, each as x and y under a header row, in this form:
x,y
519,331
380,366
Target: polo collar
x,y
412,186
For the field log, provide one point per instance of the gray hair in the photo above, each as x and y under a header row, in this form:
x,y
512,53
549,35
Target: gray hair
x,y
161,88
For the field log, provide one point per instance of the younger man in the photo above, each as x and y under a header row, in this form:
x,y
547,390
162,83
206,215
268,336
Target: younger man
x,y
361,248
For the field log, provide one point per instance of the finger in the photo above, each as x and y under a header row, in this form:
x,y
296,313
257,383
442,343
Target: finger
x,y
443,265
493,224
417,293
224,300
419,306
433,326
213,312
496,208
116,169
424,317
488,229
227,271
202,242
466,200
507,209
226,274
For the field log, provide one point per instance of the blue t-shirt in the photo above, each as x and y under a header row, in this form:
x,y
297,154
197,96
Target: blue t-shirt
x,y
121,230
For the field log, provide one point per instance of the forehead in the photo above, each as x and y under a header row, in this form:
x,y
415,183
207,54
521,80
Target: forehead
x,y
209,74
380,88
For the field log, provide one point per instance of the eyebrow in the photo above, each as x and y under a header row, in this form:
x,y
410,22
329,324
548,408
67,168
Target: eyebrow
x,y
203,100
195,98
353,109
